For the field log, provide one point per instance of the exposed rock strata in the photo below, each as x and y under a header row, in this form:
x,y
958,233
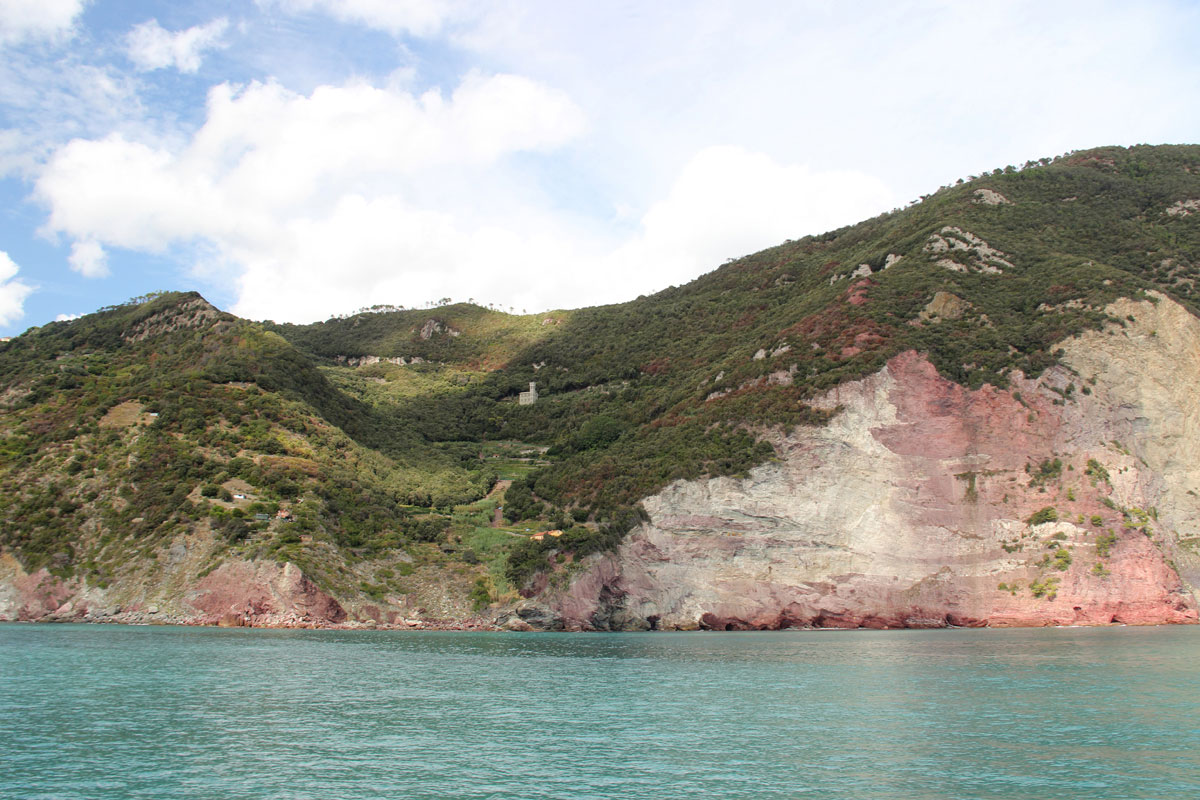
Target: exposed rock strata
x,y
1184,208
910,508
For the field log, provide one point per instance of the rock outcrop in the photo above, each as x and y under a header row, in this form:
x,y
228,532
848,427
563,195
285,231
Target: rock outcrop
x,y
1070,499
237,593
190,582
990,197
962,251
182,585
943,306
262,594
194,314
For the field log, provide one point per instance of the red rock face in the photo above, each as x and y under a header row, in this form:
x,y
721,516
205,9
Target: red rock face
x,y
241,593
913,509
238,593
38,595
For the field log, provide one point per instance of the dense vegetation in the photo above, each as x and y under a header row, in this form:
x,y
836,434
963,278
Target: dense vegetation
x,y
381,428
462,333
118,424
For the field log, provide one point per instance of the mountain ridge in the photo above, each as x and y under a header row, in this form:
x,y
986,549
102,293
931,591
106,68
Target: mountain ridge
x,y
383,435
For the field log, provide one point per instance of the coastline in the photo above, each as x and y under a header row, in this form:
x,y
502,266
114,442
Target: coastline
x,y
144,619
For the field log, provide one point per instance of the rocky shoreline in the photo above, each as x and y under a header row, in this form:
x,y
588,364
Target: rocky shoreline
x,y
513,623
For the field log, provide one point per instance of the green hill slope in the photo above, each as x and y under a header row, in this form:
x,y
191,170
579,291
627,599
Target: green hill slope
x,y
383,432
132,425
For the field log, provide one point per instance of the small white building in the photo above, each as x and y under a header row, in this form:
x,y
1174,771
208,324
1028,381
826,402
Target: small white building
x,y
530,397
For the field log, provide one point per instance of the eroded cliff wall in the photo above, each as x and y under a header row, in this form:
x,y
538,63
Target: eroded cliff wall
x,y
918,505
174,587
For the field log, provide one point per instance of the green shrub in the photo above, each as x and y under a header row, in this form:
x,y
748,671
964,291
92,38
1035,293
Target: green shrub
x,y
1096,471
1062,559
1046,472
1046,587
1047,514
480,595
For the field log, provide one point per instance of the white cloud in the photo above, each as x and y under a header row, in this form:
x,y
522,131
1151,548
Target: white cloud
x,y
46,103
151,47
347,195
12,292
88,259
267,154
868,85
278,188
37,19
355,195
418,17
67,317
729,202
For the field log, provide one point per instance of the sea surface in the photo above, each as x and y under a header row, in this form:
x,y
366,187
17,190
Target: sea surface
x,y
160,712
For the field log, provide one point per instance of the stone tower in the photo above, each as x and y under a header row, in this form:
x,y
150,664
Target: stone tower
x,y
530,397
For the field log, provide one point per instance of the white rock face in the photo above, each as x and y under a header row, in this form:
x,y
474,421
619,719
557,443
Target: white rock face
x,y
1184,208
1148,389
980,256
910,507
990,197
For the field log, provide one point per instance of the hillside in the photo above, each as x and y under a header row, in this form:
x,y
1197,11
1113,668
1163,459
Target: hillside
x,y
129,435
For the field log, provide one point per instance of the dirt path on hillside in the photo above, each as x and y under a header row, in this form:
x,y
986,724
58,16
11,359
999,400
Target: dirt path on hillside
x,y
498,515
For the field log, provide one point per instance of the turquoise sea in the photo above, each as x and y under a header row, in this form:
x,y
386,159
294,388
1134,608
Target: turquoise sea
x,y
158,712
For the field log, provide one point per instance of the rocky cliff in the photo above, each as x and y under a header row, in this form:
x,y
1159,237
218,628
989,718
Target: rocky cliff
x,y
183,585
1071,499
171,590
943,415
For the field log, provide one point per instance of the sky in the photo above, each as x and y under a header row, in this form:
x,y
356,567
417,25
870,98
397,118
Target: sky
x,y
298,159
